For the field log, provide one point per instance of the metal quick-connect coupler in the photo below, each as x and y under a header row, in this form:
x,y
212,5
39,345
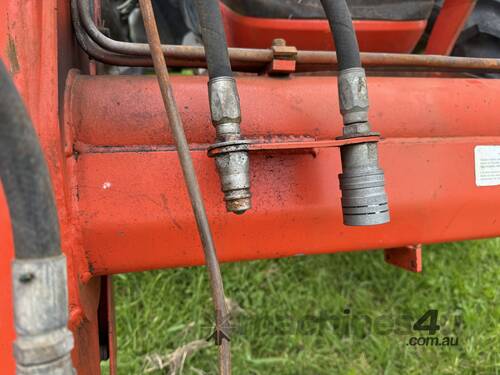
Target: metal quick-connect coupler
x,y
230,150
43,344
364,201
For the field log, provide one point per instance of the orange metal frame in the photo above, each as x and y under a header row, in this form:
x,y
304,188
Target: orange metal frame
x,y
116,176
449,24
373,36
122,163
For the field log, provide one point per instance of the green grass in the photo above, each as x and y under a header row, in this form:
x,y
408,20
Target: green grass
x,y
294,322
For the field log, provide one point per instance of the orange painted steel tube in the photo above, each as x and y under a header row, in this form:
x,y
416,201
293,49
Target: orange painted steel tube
x,y
428,156
426,107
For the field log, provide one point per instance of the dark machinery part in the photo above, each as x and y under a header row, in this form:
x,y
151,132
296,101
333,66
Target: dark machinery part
x,y
481,34
388,10
43,343
364,201
123,21
175,122
231,157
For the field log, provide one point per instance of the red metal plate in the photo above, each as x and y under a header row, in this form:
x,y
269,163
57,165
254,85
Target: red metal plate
x,y
448,25
373,36
406,257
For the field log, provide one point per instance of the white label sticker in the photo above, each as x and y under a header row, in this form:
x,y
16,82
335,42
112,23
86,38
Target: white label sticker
x,y
487,165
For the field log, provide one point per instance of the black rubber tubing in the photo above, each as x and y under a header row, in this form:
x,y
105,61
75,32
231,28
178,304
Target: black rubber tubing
x,y
25,178
346,44
214,38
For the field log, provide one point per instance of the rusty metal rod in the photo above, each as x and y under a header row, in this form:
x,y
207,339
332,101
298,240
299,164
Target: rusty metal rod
x,y
97,52
403,60
246,59
221,338
196,53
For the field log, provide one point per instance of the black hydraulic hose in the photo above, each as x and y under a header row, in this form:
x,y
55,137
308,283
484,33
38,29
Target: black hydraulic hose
x,y
232,161
25,178
346,44
362,181
214,38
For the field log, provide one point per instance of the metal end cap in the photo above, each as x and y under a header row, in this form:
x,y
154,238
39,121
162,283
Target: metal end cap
x,y
239,206
238,201
364,201
233,168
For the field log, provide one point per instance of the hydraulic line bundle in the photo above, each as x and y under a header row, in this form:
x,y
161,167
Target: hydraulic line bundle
x,y
232,150
364,201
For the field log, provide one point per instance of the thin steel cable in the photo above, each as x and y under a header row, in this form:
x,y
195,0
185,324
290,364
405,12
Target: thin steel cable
x,y
191,181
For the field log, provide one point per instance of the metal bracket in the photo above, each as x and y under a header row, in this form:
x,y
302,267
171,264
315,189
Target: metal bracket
x,y
291,144
284,58
407,257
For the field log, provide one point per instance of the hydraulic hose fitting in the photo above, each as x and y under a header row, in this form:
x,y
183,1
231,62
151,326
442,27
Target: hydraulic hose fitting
x,y
43,344
230,150
225,108
353,98
364,200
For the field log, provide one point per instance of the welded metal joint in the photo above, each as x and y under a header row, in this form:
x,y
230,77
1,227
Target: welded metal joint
x,y
362,182
44,343
230,150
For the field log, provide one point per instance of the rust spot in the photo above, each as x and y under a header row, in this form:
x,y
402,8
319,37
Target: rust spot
x,y
91,266
165,206
12,56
